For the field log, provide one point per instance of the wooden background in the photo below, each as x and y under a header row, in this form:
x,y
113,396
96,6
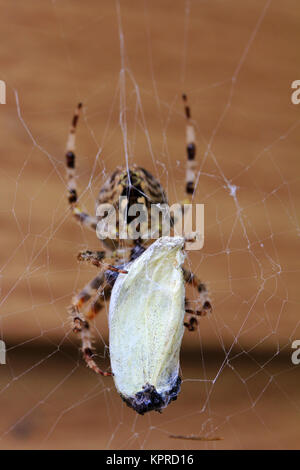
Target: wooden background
x,y
236,61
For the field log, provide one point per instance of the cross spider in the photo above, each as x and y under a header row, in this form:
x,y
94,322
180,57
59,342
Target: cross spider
x,y
139,186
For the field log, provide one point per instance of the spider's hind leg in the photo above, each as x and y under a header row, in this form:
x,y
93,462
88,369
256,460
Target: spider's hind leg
x,y
192,321
81,319
92,297
192,279
206,307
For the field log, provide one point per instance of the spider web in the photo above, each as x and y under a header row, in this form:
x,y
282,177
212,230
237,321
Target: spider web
x,y
129,62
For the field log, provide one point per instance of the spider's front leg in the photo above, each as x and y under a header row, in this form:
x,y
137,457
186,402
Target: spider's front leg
x,y
81,216
190,150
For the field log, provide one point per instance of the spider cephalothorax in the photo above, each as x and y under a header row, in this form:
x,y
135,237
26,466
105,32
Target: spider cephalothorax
x,y
131,186
137,186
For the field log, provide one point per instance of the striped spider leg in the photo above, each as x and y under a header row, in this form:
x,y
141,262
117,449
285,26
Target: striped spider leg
x,y
205,309
94,293
190,277
86,219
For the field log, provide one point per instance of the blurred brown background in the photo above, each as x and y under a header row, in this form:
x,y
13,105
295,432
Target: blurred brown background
x,y
236,61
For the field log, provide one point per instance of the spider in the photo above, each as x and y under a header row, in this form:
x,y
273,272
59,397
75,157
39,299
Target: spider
x,y
138,186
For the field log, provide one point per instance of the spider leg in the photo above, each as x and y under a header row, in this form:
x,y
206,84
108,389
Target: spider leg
x,y
86,338
191,150
97,258
98,302
206,308
192,279
84,218
82,298
190,163
81,319
192,321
